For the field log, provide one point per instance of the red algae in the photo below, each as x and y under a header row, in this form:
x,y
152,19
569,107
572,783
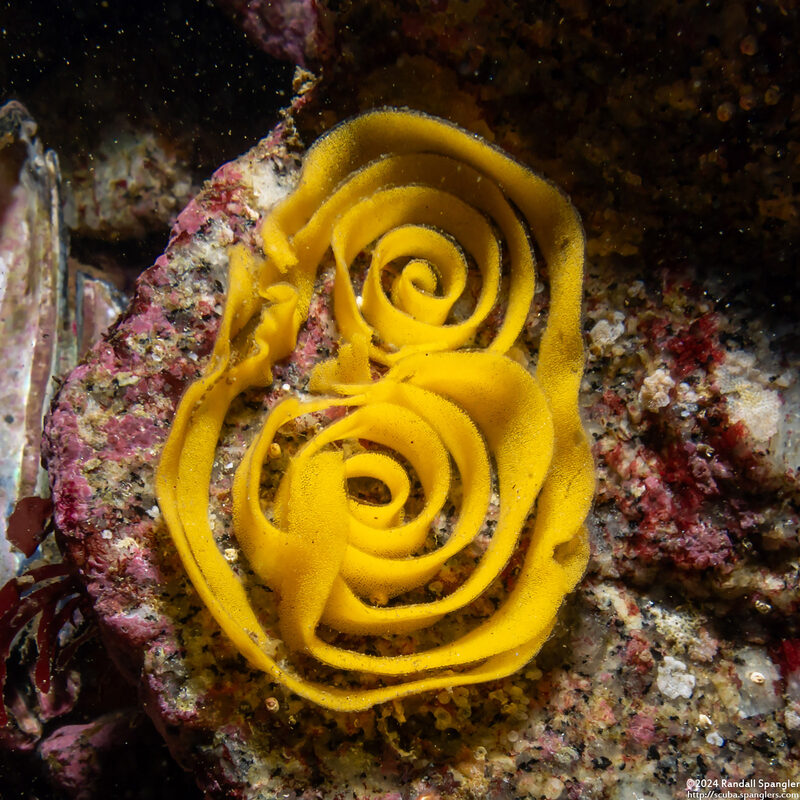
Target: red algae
x,y
637,654
696,346
642,729
787,655
27,523
190,220
129,433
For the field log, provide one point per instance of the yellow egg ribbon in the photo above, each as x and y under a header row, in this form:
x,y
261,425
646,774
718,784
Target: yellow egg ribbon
x,y
434,198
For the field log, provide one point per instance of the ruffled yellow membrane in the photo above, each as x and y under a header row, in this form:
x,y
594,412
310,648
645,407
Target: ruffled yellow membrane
x,y
438,201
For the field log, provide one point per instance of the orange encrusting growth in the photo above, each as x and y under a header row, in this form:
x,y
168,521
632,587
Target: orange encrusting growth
x,y
436,196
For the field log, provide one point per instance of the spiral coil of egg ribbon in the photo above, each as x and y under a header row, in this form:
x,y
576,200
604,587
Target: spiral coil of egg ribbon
x,y
425,192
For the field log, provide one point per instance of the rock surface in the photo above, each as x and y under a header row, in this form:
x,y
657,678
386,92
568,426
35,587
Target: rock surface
x,y
678,659
692,528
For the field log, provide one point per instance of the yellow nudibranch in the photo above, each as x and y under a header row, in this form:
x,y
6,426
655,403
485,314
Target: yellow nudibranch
x,y
421,192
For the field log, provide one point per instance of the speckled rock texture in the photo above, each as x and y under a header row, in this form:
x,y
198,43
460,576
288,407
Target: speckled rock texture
x,y
674,659
135,182
678,657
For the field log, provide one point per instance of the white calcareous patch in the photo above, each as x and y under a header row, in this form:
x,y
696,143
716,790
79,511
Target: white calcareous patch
x,y
749,401
674,680
758,676
268,187
612,597
655,390
605,332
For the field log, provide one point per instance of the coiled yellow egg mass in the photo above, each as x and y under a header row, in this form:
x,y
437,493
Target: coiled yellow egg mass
x,y
422,411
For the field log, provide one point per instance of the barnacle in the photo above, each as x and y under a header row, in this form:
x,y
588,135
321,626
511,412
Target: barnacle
x,y
417,397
